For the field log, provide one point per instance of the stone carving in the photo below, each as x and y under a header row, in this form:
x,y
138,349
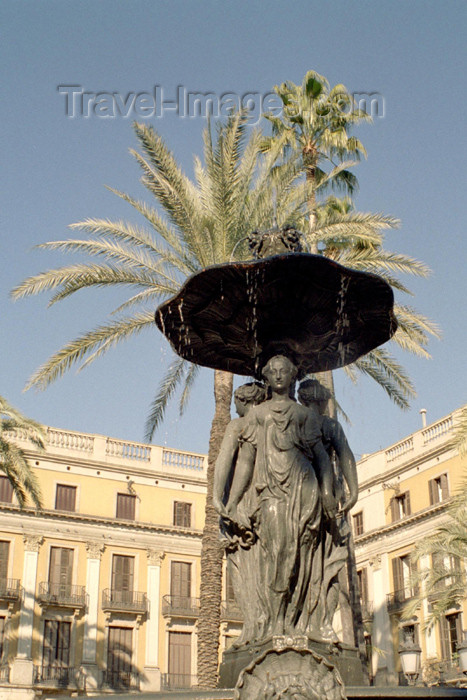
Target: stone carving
x,y
95,549
155,557
32,543
290,675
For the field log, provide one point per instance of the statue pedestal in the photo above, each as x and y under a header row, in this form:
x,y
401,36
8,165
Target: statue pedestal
x,y
343,657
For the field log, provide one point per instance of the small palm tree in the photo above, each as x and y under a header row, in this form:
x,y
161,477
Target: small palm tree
x,y
13,461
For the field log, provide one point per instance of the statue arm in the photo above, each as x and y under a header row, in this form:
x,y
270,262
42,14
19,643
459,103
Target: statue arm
x,y
224,464
323,469
242,478
346,464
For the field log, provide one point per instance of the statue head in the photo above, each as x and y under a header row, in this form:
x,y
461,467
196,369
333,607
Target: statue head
x,y
312,393
280,374
248,395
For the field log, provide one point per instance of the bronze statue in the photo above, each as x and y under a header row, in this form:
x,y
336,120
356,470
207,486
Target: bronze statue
x,y
335,531
281,488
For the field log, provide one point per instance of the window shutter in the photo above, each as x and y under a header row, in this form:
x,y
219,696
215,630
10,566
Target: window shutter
x,y
122,573
50,642
2,635
398,575
408,509
180,658
180,584
65,497
394,505
433,491
61,566
229,589
444,639
182,514
444,486
63,643
126,506
4,552
6,490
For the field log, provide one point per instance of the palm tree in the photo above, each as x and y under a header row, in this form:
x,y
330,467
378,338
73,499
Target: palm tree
x,y
205,222
13,461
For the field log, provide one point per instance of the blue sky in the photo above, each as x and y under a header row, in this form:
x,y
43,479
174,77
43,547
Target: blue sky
x,y
55,168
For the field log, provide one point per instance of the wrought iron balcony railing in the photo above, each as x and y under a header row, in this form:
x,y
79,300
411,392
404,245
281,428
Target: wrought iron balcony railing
x,y
10,589
177,681
124,601
62,594
397,599
231,611
180,606
54,675
122,680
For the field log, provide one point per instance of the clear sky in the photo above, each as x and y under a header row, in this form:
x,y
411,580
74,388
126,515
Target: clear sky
x,y
55,167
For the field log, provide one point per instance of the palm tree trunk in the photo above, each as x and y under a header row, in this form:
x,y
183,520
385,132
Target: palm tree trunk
x,y
212,552
311,180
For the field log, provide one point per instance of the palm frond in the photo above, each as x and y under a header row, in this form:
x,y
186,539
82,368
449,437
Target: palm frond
x,y
167,387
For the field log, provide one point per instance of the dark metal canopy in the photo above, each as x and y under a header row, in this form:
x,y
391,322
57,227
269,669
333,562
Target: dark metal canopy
x,y
320,314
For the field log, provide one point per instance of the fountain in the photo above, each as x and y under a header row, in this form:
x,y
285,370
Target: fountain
x,y
279,317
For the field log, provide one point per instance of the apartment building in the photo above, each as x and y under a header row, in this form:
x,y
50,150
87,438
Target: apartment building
x,y
100,590
404,494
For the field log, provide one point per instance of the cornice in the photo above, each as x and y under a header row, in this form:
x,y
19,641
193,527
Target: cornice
x,y
402,524
27,515
409,463
115,468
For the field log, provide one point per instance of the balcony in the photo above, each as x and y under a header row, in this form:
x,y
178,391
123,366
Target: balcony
x,y
230,612
395,601
10,589
124,601
178,681
180,606
63,595
4,673
122,680
56,676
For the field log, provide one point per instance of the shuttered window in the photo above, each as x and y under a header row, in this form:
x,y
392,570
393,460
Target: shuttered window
x,y
438,489
400,506
56,646
357,524
363,584
123,568
61,566
229,589
2,635
126,506
6,490
450,628
180,659
182,514
4,553
65,497
119,651
403,573
180,582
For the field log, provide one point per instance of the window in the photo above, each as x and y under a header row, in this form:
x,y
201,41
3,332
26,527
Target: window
x,y
408,634
179,659
362,576
403,571
2,635
65,497
400,506
60,570
123,569
182,514
438,489
119,657
180,580
450,635
56,646
126,503
6,490
357,524
229,589
4,553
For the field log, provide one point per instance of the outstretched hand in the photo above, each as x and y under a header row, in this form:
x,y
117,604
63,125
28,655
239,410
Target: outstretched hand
x,y
330,505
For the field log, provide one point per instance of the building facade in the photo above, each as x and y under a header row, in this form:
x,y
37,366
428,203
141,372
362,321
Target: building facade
x,y
404,494
100,590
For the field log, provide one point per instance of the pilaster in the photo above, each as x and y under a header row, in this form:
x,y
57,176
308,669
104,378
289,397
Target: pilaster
x,y
152,674
94,553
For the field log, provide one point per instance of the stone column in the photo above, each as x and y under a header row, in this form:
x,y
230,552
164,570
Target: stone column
x,y
430,636
22,669
90,670
383,664
152,674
